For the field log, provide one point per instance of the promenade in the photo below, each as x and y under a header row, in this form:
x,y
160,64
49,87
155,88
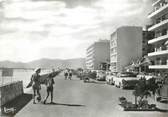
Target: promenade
x,y
73,98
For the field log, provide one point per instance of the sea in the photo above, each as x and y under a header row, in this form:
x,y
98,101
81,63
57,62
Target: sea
x,y
20,75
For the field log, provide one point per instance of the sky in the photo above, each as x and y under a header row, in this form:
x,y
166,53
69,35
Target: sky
x,y
63,29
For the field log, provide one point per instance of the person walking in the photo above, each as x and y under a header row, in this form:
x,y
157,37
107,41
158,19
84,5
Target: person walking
x,y
70,74
35,79
49,86
66,74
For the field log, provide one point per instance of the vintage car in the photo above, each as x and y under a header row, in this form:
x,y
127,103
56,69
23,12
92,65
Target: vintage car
x,y
141,75
147,76
162,92
101,75
109,77
125,80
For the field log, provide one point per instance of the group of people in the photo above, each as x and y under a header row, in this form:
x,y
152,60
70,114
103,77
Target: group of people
x,y
68,74
36,85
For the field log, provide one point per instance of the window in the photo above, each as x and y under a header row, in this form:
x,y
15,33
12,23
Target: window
x,y
164,32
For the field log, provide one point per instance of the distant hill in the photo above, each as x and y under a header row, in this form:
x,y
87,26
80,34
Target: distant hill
x,y
46,63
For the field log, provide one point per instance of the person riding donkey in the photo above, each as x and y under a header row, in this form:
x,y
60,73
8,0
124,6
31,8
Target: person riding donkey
x,y
49,85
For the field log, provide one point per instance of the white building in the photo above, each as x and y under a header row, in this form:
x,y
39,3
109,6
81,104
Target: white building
x,y
125,46
159,17
97,53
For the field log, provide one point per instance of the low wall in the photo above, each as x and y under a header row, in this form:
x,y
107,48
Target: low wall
x,y
10,91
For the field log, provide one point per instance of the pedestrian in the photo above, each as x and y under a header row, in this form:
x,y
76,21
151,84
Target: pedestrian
x,y
70,74
49,86
35,79
166,79
66,74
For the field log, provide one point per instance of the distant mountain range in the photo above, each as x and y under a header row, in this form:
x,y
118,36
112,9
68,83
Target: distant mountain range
x,y
46,63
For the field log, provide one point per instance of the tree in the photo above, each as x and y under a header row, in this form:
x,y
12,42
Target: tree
x,y
79,69
141,91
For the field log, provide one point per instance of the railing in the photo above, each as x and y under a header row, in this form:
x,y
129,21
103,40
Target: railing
x,y
158,38
157,25
158,8
163,52
161,63
160,34
157,22
158,66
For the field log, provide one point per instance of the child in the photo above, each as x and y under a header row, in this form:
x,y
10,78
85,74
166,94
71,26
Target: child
x,y
49,86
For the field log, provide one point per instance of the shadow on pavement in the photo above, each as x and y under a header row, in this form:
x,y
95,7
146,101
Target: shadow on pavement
x,y
96,82
78,105
14,106
129,88
164,101
162,110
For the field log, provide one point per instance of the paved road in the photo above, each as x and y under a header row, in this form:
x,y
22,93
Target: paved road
x,y
77,99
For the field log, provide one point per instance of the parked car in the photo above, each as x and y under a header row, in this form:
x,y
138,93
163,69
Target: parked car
x,y
109,77
150,75
125,80
141,75
101,75
162,92
147,76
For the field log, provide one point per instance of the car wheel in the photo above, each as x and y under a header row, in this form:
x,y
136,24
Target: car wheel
x,y
113,83
110,82
158,99
121,86
117,86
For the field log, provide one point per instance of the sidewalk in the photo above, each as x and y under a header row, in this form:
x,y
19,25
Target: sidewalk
x,y
160,105
14,106
73,98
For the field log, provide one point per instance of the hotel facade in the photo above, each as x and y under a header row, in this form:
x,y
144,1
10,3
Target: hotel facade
x,y
97,53
125,46
159,18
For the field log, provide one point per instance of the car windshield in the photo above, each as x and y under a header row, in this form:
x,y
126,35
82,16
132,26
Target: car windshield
x,y
101,72
141,73
127,75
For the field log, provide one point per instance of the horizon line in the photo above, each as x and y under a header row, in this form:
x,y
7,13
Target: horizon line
x,y
41,59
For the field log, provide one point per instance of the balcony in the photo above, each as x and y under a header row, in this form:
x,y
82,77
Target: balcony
x,y
155,3
155,26
158,66
158,10
155,40
158,53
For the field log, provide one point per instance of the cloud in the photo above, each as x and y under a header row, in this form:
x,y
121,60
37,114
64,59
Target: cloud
x,y
35,29
74,3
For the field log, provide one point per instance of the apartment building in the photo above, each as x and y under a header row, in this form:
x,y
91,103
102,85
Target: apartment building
x,y
125,46
159,18
146,36
97,53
